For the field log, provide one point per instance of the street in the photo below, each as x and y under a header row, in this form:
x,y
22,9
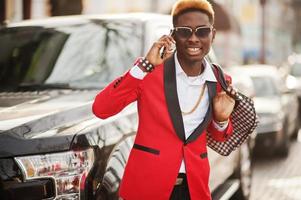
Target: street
x,y
276,178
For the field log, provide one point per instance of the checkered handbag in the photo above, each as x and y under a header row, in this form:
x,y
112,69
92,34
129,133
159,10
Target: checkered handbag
x,y
244,120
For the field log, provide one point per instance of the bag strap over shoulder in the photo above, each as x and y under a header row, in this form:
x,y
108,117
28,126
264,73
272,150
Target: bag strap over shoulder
x,y
220,76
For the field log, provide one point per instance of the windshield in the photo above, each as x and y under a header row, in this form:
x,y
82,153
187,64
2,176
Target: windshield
x,y
296,70
264,87
87,55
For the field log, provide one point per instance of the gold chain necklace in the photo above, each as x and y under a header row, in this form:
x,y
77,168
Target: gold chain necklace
x,y
197,103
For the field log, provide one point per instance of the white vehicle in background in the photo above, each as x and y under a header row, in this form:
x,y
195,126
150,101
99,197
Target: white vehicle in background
x,y
291,72
276,106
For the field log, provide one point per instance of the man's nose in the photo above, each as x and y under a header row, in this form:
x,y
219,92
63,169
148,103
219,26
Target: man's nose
x,y
193,37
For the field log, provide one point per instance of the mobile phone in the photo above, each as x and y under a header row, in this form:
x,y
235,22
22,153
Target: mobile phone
x,y
164,48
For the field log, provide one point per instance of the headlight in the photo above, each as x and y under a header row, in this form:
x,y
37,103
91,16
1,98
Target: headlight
x,y
291,82
68,170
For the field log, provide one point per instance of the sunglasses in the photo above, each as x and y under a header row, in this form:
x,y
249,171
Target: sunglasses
x,y
186,32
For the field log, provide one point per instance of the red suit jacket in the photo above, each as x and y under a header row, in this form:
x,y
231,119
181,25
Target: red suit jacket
x,y
160,144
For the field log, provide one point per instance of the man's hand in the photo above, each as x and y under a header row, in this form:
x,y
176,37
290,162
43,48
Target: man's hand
x,y
223,105
153,55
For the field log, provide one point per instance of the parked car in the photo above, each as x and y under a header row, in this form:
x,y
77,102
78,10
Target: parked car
x,y
291,72
51,145
276,106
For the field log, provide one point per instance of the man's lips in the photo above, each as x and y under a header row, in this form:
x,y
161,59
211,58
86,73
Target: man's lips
x,y
193,50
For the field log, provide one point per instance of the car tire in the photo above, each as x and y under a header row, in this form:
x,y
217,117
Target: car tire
x,y
283,149
295,134
244,173
298,126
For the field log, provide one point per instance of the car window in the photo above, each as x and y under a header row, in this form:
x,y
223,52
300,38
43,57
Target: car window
x,y
296,70
265,87
97,53
22,49
83,55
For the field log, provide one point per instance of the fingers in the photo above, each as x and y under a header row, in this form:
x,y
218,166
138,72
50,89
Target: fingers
x,y
166,54
232,91
223,95
168,42
230,99
156,55
223,106
168,38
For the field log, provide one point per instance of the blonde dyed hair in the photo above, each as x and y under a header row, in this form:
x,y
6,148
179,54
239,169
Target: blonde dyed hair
x,y
186,5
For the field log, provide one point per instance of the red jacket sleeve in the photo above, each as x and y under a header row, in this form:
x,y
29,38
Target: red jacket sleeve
x,y
220,136
116,96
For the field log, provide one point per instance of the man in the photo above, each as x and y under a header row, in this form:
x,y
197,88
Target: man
x,y
179,101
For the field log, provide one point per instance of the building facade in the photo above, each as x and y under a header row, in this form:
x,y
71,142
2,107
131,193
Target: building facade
x,y
242,42
267,28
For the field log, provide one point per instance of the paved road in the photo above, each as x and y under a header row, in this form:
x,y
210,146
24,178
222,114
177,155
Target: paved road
x,y
278,179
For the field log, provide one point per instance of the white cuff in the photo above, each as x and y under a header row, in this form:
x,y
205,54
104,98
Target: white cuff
x,y
136,72
220,127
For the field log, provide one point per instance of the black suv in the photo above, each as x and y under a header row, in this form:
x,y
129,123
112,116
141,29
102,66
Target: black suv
x,y
51,145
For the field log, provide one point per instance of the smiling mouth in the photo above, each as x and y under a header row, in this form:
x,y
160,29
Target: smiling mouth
x,y
194,50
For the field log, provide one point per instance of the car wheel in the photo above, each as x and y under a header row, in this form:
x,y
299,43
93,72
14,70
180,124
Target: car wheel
x,y
244,173
298,126
295,134
283,149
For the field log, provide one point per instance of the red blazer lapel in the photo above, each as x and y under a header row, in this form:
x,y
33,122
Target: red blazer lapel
x,y
171,95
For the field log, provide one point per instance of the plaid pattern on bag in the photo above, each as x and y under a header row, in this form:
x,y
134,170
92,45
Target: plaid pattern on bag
x,y
244,121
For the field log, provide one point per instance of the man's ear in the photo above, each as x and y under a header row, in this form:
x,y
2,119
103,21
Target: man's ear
x,y
213,34
172,33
